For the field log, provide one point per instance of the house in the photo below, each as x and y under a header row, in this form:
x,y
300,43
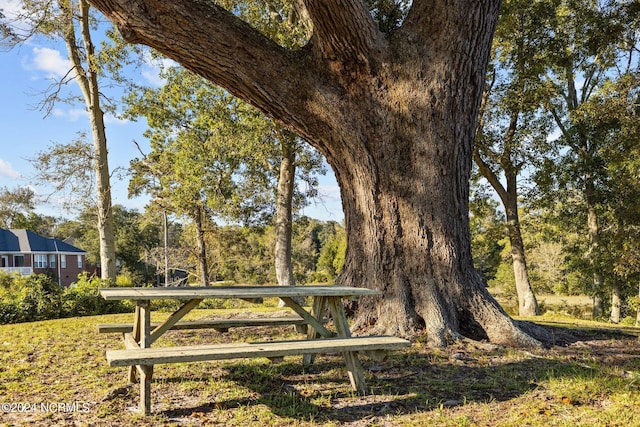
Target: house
x,y
25,252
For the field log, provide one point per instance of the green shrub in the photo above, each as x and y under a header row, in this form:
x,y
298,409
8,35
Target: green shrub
x,y
9,312
40,298
127,278
84,299
6,280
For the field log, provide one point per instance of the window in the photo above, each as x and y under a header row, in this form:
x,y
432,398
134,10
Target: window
x,y
52,261
79,261
40,261
18,260
63,261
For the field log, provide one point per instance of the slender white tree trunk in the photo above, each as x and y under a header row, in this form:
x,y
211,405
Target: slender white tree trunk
x,y
87,78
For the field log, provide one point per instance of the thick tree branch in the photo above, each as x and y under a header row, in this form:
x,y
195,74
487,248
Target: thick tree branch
x,y
345,33
490,176
428,19
217,45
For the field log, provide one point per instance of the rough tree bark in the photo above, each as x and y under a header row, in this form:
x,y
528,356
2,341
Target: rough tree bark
x,y
203,268
284,203
395,117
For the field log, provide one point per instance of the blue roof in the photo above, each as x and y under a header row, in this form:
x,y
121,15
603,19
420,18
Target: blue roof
x,y
27,241
8,241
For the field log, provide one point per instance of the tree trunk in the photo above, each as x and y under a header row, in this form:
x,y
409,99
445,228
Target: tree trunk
x,y
638,308
616,302
527,303
597,289
284,222
87,78
166,247
105,214
395,117
203,269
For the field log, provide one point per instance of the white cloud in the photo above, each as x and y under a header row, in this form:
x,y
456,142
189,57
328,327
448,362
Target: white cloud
x,y
7,170
330,192
111,119
51,62
11,8
152,77
75,114
72,114
152,68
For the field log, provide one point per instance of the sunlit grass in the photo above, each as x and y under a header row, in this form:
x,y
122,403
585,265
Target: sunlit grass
x,y
586,384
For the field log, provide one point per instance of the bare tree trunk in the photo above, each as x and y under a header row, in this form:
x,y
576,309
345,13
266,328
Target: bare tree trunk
x,y
592,254
87,78
616,302
527,302
394,115
638,308
284,221
166,247
203,269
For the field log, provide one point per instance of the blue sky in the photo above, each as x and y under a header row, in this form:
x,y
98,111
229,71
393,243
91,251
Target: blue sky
x,y
25,73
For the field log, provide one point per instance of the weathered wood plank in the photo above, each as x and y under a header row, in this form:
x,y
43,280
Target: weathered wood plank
x,y
354,368
317,311
317,325
219,324
129,342
133,374
145,371
152,356
173,319
242,292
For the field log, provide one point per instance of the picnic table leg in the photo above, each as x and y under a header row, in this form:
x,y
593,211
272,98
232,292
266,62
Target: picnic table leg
x,y
146,372
354,368
317,311
133,372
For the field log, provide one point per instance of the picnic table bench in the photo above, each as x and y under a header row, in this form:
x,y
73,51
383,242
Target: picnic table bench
x,y
138,336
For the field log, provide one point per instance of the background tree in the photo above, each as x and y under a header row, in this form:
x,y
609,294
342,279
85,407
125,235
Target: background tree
x,y
332,246
612,116
17,210
192,159
511,132
15,206
284,209
135,237
71,22
487,231
68,169
394,112
591,45
215,157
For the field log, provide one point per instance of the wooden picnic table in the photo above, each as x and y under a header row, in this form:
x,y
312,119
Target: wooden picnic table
x,y
139,336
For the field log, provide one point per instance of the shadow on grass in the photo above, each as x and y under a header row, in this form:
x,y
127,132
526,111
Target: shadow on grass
x,y
564,335
411,381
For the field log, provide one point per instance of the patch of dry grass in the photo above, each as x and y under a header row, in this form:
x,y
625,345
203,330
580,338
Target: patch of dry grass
x,y
593,380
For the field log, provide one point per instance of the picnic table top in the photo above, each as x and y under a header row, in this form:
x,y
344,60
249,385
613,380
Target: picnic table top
x,y
192,292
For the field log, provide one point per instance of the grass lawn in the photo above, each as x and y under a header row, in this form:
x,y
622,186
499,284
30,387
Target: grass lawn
x,y
57,372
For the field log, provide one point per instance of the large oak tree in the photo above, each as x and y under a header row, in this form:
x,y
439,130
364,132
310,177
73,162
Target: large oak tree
x,y
393,111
